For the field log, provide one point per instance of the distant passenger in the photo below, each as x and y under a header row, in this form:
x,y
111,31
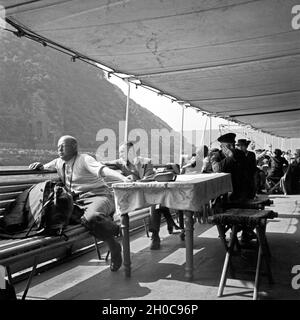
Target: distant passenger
x,y
288,156
262,161
243,144
291,179
277,166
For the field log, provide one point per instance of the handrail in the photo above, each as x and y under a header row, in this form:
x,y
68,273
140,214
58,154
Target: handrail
x,y
15,172
20,172
25,172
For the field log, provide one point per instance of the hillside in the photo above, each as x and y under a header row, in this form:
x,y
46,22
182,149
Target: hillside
x,y
43,94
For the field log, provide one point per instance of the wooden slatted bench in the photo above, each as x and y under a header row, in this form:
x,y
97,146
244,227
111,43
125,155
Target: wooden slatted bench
x,y
17,255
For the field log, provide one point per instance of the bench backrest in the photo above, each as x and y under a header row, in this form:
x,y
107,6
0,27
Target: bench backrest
x,y
14,182
19,253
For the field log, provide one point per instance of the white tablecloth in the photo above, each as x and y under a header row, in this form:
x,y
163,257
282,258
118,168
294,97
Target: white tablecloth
x,y
188,192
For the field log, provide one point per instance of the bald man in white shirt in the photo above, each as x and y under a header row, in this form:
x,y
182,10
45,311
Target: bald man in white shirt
x,y
83,176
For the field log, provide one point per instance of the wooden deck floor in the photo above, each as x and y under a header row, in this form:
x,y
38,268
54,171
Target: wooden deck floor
x,y
159,275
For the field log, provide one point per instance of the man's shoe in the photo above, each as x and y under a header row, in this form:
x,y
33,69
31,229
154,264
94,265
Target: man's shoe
x,y
155,243
116,257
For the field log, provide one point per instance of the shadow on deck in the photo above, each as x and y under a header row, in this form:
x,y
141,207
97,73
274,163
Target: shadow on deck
x,y
159,275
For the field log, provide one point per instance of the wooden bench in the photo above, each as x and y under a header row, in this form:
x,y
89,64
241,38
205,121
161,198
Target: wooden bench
x,y
17,255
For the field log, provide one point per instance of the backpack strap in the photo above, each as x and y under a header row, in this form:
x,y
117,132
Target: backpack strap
x,y
50,198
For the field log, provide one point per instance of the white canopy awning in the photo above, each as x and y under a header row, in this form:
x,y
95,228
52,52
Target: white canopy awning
x,y
234,58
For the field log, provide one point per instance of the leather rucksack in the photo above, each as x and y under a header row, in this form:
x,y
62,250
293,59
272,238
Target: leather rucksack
x,y
45,208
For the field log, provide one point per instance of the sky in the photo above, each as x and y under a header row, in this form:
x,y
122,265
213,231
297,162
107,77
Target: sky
x,y
165,109
193,120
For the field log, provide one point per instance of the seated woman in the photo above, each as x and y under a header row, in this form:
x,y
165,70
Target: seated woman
x,y
135,168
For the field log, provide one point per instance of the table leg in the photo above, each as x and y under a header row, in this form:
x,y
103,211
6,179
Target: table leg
x,y
189,244
126,244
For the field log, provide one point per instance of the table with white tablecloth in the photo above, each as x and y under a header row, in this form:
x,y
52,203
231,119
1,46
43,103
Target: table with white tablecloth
x,y
188,193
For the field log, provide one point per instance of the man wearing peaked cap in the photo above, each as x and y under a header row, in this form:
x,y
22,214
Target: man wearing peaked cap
x,y
234,162
227,138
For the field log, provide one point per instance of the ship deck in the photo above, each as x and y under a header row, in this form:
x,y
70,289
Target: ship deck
x,y
159,275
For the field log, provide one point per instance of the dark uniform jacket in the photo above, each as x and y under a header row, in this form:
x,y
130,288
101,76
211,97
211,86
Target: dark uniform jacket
x,y
251,161
236,165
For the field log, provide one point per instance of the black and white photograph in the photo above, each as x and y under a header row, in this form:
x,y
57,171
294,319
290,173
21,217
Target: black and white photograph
x,y
149,154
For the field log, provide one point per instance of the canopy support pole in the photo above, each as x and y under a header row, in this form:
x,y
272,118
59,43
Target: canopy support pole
x,y
181,134
204,130
210,130
127,111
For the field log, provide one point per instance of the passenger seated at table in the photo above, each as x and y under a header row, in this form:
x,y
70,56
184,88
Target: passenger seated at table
x,y
136,168
195,164
132,166
242,145
235,163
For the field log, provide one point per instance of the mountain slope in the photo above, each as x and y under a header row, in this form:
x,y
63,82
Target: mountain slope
x,y
43,94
